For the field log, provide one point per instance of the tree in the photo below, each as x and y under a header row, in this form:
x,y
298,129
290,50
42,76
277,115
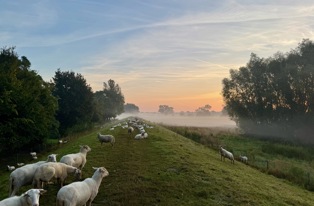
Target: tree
x,y
165,109
27,108
274,96
109,102
131,108
203,111
75,98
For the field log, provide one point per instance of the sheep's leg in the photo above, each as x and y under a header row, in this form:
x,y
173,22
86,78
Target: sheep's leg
x,y
89,202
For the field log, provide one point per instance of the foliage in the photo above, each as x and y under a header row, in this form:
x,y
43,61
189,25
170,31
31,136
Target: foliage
x,y
203,111
109,102
274,97
27,108
75,99
165,109
131,108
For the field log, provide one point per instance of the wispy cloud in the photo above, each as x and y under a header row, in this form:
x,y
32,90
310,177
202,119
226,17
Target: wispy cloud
x,y
160,50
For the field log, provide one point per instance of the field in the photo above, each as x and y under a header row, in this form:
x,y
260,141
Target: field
x,y
169,169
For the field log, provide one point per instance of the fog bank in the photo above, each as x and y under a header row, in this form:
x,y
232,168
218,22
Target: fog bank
x,y
179,120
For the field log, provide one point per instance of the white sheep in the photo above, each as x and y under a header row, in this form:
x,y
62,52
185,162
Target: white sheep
x,y
58,170
10,168
106,138
34,155
29,198
224,153
24,175
81,193
77,160
244,159
142,135
20,164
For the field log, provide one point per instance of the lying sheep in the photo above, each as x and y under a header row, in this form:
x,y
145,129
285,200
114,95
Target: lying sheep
x,y
45,172
81,193
24,175
31,197
77,160
243,159
10,168
33,154
224,153
143,135
106,138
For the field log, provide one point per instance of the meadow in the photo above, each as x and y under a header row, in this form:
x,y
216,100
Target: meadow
x,y
170,169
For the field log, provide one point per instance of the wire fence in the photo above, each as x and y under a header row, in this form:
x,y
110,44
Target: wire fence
x,y
301,173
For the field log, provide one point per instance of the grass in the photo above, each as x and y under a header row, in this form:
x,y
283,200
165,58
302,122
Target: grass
x,y
282,159
169,169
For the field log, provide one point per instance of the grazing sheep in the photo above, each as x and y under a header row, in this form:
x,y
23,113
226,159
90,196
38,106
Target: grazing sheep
x,y
45,172
106,138
29,198
20,164
243,159
81,193
224,153
77,160
10,168
24,175
130,130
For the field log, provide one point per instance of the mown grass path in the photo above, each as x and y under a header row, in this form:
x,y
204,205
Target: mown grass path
x,y
168,169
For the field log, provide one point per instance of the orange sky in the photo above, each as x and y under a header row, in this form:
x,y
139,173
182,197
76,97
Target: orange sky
x,y
164,52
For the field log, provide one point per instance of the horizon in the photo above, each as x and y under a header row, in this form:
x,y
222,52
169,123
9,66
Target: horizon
x,y
159,53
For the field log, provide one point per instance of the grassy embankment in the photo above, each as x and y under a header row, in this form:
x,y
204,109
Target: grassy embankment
x,y
283,159
168,169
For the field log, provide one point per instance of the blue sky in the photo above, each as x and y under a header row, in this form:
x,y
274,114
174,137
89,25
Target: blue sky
x,y
173,52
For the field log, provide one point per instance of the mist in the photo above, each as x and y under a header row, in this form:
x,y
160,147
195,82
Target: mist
x,y
179,120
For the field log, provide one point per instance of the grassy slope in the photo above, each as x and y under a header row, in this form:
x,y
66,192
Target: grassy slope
x,y
168,169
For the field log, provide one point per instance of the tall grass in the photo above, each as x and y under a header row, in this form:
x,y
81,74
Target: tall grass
x,y
285,160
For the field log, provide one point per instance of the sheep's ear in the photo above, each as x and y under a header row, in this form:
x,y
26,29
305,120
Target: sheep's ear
x,y
42,191
95,168
25,195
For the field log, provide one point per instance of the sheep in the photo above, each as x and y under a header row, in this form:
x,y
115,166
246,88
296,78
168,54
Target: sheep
x,y
243,159
45,172
130,130
10,168
224,153
33,154
24,175
142,135
106,138
81,193
77,160
20,164
31,197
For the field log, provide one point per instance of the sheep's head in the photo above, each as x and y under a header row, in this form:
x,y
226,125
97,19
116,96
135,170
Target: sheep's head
x,y
77,173
33,195
102,171
52,158
85,148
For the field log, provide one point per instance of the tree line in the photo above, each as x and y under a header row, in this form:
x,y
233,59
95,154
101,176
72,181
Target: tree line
x,y
274,97
33,110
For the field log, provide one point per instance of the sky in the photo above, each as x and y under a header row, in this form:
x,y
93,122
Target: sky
x,y
165,52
